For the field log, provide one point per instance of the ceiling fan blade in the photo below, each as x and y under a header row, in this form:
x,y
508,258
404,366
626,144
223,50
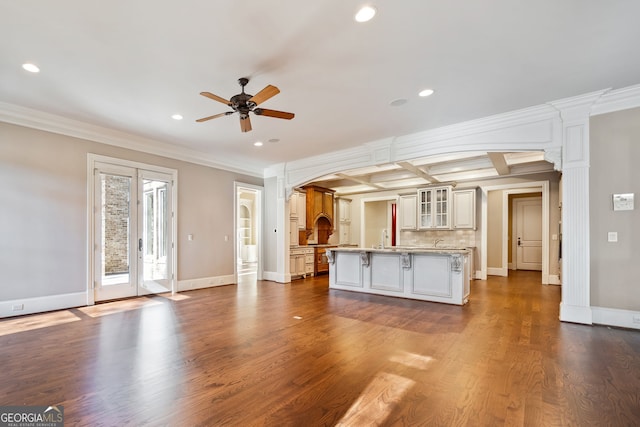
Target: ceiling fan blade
x,y
215,98
245,124
274,113
264,94
204,119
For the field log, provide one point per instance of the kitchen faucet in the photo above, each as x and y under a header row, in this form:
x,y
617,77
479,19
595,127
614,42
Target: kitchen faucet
x,y
435,242
383,238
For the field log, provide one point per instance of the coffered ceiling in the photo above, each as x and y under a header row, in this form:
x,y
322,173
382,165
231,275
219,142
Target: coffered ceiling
x,y
451,169
127,67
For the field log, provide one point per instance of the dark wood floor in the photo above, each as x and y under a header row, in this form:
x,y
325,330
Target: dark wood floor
x,y
301,355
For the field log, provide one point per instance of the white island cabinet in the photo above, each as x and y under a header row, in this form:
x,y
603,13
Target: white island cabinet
x,y
439,275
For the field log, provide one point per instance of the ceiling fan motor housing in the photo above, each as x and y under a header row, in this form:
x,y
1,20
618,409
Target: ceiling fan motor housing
x,y
240,103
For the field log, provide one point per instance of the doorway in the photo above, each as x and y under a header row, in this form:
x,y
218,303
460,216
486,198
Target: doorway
x,y
248,232
132,229
376,224
495,227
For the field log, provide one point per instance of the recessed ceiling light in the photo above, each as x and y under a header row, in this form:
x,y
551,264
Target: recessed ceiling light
x,y
366,13
258,143
426,92
177,117
32,68
398,102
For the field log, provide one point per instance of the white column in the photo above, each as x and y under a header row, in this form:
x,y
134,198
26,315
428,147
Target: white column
x,y
576,287
282,219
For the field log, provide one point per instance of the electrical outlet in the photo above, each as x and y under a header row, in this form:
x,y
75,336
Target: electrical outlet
x,y
636,318
18,307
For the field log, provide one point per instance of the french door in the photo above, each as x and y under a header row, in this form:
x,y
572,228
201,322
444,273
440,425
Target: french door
x,y
132,231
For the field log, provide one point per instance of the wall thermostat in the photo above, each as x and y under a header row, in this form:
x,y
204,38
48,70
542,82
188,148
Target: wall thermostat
x,y
623,202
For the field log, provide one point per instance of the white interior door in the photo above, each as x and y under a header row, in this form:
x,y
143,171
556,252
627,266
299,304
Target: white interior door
x,y
132,232
528,226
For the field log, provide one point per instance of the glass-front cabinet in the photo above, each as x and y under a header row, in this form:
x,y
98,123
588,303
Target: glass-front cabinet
x,y
434,208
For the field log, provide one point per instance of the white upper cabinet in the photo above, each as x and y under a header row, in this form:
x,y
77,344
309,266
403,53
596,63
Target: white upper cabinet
x,y
464,209
293,233
408,212
434,208
344,210
344,220
345,233
298,208
293,205
302,210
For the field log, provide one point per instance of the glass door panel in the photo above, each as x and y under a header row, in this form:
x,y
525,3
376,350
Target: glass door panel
x,y
132,232
155,232
115,275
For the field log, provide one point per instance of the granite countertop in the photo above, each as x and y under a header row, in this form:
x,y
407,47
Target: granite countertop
x,y
407,249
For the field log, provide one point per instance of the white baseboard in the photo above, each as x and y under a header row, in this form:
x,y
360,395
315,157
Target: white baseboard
x,y
616,317
511,266
274,276
576,314
206,282
554,279
19,307
497,271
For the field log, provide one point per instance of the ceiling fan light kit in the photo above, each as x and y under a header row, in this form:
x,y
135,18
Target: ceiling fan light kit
x,y
244,103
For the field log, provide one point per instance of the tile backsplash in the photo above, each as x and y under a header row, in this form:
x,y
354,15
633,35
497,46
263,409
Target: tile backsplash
x,y
457,238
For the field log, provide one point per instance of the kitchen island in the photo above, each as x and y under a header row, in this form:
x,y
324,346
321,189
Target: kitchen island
x,y
429,274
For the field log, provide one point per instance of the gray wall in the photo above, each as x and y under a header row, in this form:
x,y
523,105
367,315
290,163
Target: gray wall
x,y
43,215
270,256
615,160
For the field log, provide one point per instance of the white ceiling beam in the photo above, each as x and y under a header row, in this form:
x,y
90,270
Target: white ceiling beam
x,y
499,163
418,172
359,181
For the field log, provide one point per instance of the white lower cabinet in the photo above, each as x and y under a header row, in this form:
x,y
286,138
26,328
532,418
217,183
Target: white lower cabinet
x,y
301,262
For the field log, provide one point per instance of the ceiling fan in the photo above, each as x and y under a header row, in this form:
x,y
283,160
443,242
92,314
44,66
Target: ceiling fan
x,y
244,103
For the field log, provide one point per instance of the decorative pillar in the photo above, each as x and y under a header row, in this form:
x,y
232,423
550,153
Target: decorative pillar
x,y
576,299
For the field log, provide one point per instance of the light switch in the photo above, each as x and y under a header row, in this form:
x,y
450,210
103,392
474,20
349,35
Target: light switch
x,y
189,236
612,236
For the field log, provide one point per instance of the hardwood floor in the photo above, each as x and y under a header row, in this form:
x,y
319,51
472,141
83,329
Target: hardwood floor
x,y
301,355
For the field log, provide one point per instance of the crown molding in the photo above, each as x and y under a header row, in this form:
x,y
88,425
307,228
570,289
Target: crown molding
x,y
617,100
577,108
35,119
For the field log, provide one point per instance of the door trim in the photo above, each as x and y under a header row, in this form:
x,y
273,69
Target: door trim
x,y
260,204
92,159
525,187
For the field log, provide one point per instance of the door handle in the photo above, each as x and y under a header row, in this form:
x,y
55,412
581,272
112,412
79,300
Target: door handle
x,y
140,244
519,242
